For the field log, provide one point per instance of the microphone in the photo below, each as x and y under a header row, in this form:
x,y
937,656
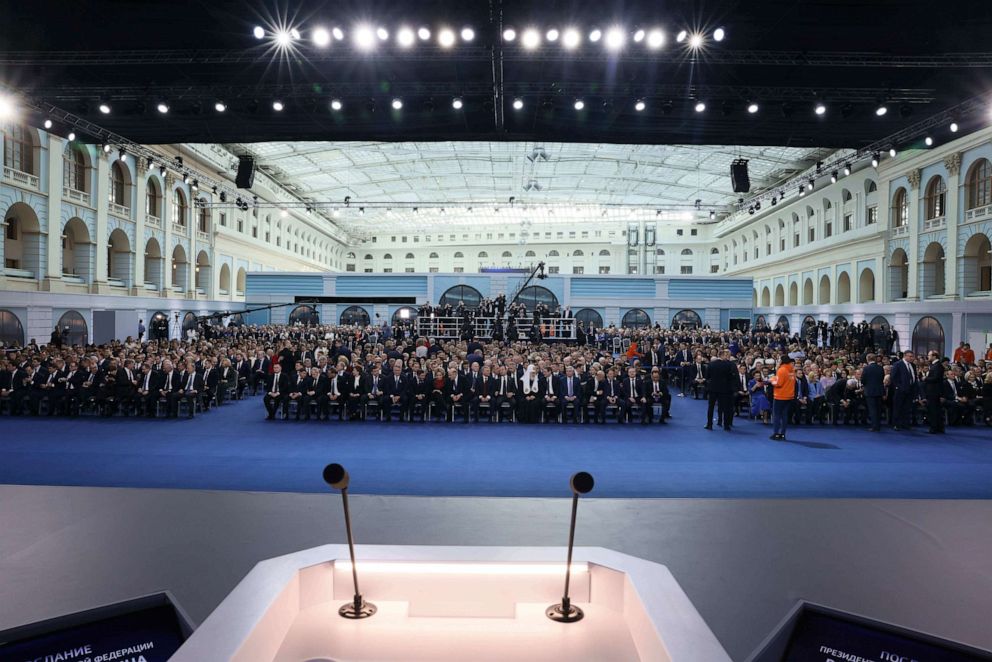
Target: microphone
x,y
565,612
336,476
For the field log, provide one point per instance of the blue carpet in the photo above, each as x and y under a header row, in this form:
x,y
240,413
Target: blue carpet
x,y
233,448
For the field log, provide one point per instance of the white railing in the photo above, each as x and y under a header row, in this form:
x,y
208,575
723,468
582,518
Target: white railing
x,y
978,212
239,293
120,210
224,292
19,177
179,229
202,236
76,196
484,327
153,221
151,287
901,231
200,290
72,278
178,288
18,273
116,282
935,223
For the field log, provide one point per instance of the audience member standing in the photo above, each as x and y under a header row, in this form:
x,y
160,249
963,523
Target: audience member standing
x,y
873,379
904,387
784,393
933,385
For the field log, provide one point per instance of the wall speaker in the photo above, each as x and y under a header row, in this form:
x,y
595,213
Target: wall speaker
x,y
246,172
739,176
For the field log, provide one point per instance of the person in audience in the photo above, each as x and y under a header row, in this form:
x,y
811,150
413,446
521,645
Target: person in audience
x,y
760,405
784,384
933,389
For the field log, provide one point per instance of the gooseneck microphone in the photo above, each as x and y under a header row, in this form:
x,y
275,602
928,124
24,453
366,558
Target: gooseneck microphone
x,y
565,612
336,476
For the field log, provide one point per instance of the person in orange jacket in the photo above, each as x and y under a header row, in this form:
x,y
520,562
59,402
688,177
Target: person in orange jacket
x,y
784,383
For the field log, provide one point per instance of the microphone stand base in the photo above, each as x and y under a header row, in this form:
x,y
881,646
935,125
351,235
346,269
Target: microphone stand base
x,y
365,610
556,613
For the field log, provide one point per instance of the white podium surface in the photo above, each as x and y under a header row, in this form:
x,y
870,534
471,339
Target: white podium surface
x,y
454,603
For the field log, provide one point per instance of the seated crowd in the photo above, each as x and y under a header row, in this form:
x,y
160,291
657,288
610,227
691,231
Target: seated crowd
x,y
348,373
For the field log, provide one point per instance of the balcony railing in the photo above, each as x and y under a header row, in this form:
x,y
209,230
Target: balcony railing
x,y
19,177
179,229
153,221
18,273
202,236
81,197
978,212
934,223
900,231
151,286
116,282
120,210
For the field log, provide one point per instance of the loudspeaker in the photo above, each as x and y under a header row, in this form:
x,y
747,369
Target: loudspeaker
x,y
739,176
246,172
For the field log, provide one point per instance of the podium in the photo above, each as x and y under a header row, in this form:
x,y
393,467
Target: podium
x,y
454,603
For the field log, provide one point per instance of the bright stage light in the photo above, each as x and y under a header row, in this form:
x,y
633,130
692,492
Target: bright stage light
x,y
571,38
719,34
680,37
468,34
509,34
405,37
656,39
928,141
382,34
551,35
518,104
294,34
48,124
321,37
639,36
640,105
336,104
579,104
446,38
696,41
277,106
283,38
530,39
595,35
700,106
364,38
456,103
819,109
397,104
258,32
423,33
875,158
847,169
71,136
338,33
162,107
220,106
954,127
881,110
105,108
752,108
615,38
892,152
106,150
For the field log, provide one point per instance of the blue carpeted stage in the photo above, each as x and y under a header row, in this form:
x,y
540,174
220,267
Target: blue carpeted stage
x,y
233,448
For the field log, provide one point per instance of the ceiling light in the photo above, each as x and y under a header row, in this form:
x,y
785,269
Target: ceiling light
x,y
696,41
294,34
833,177
810,184
892,152
468,34
680,37
551,35
750,210
802,191
847,169
423,33
509,34
518,104
321,37
656,39
104,108
456,103
712,215
875,158
571,38
364,38
258,32
283,38
446,37
639,36
338,33
700,106
614,38
774,201
397,104
640,105
819,109
48,124
382,33
335,104
277,106
954,127
122,154
757,205
719,34
579,104
595,35
752,108
220,106
405,37
881,110
929,141
71,136
530,39
196,185
162,107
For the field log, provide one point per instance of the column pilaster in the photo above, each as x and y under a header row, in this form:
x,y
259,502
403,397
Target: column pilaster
x,y
953,165
913,254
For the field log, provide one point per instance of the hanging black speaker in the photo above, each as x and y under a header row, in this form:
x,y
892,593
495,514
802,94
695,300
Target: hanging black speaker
x,y
739,176
246,172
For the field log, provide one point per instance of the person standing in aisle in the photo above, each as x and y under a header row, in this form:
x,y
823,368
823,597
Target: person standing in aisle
x,y
784,383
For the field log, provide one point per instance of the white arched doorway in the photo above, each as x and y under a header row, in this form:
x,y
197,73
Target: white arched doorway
x,y
119,259
77,250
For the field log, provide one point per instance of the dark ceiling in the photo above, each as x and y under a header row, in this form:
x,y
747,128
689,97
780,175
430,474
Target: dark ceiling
x,y
920,58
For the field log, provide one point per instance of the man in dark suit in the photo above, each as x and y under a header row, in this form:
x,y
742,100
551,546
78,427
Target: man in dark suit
x,y
169,384
334,395
595,396
933,389
211,380
505,386
299,384
243,370
259,371
657,395
357,391
455,394
571,396
873,383
419,394
631,395
395,394
277,393
903,379
190,388
720,382
147,391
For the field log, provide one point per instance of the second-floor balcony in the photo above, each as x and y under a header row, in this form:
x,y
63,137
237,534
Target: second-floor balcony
x,y
21,178
120,210
202,236
934,224
977,213
180,229
900,231
153,221
81,197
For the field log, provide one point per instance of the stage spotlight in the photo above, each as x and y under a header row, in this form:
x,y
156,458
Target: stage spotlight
x,y
382,33
833,177
277,106
509,34
819,167
518,104
875,158
446,38
258,32
185,178
530,39
579,104
819,109
321,37
106,149
456,103
847,169
696,41
468,34
752,108
196,185
48,124
802,191
680,37
881,110
122,154
640,105
892,152
639,36
220,106
71,136
104,107
928,141
294,34
810,184
757,205
283,38
614,38
954,127
162,107
750,210
595,35
571,38
397,104
336,104
719,34
338,33
364,38
656,39
551,35
700,106
774,201
712,215
404,37
161,171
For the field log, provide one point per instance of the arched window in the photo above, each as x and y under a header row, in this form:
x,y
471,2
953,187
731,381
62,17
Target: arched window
x,y
808,292
22,243
824,290
977,264
936,192
928,334
588,316
179,207
180,268
119,258
507,254
189,323
687,319
866,286
11,331
686,252
766,297
305,315
387,256
355,315
483,255
760,322
409,256
840,319
794,294
120,184
979,183
459,255
783,323
606,253
898,275
461,294
201,275
870,186
432,256
153,200
76,249
809,323
530,254
74,329
368,256
844,288
900,208
74,170
18,149
635,318
578,253
241,281
534,294
153,264
661,251
879,327
225,279
716,251
552,253
204,225
845,195
349,256
933,270
404,314
779,295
